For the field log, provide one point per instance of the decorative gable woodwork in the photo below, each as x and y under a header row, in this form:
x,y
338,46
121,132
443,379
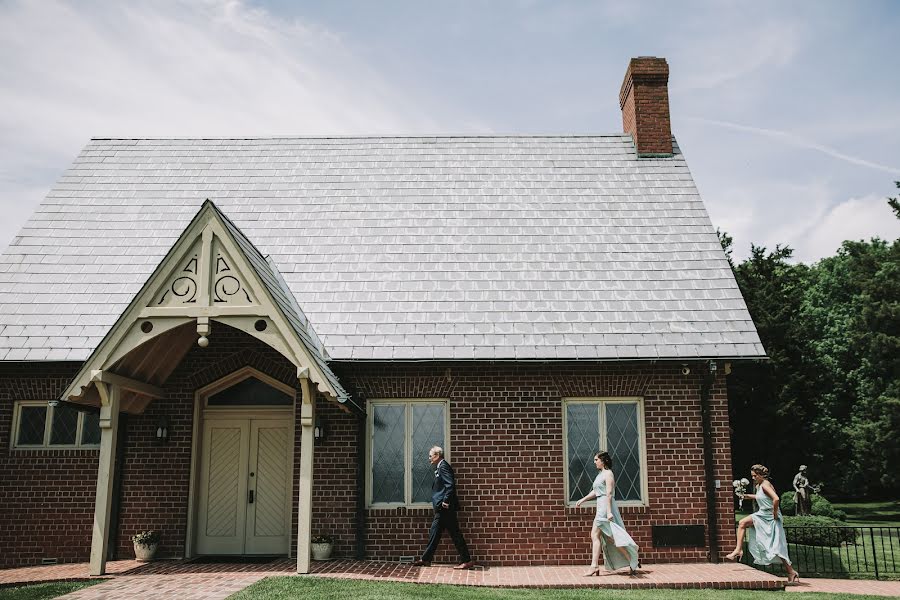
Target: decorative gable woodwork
x,y
211,272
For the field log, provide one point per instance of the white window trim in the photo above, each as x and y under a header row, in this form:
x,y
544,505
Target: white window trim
x,y
408,458
639,400
48,428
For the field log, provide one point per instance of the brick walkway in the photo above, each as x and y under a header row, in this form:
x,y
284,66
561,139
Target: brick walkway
x,y
184,580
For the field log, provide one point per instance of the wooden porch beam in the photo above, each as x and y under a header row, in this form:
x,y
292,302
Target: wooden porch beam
x,y
126,383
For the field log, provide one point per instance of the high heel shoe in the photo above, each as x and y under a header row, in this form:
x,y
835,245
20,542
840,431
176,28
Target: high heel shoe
x,y
593,571
735,556
794,578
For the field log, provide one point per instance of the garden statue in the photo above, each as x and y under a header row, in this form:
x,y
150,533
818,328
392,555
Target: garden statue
x,y
802,499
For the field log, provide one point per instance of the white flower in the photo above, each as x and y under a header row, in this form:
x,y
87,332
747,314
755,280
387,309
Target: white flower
x,y
745,482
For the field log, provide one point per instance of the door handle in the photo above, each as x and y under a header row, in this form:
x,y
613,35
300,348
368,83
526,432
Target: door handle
x,y
251,496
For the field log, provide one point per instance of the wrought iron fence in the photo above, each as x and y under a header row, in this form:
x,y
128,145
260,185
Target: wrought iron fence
x,y
840,552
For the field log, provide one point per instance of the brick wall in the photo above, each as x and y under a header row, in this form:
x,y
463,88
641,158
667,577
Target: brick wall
x,y
505,445
46,497
506,448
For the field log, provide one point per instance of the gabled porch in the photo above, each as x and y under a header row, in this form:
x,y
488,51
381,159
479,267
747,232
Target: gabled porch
x,y
213,279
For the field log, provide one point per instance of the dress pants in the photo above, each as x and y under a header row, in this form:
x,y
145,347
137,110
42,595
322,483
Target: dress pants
x,y
446,519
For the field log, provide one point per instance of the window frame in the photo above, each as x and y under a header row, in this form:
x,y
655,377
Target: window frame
x,y
407,458
602,444
48,429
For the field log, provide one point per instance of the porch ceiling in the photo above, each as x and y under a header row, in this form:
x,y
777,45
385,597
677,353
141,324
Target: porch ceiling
x,y
151,362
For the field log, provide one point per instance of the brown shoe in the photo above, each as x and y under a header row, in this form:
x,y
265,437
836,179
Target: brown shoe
x,y
421,563
465,565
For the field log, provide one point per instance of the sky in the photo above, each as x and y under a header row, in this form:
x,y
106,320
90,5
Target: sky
x,y
788,112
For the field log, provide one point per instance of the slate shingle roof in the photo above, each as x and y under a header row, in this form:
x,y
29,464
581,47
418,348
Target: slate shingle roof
x,y
532,247
275,284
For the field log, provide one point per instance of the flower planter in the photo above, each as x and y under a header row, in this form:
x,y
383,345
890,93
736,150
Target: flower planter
x,y
144,553
320,551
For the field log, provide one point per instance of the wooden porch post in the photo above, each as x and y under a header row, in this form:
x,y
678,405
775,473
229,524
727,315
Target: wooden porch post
x,y
110,396
304,501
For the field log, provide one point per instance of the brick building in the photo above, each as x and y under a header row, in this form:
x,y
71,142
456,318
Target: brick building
x,y
244,372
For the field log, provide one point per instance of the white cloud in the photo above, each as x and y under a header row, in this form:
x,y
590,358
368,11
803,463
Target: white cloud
x,y
801,142
713,60
767,213
854,219
216,68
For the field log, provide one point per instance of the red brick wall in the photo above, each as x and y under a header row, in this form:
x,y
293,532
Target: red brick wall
x,y
505,445
644,100
506,448
46,497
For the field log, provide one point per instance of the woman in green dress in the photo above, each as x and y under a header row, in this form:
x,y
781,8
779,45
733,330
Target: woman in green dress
x,y
768,545
608,533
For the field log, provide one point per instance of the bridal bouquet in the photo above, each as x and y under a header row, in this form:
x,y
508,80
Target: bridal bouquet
x,y
740,488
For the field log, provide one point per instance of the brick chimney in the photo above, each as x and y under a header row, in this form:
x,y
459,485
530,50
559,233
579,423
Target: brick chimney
x,y
644,100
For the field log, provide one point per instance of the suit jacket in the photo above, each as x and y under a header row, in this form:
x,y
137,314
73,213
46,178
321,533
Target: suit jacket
x,y
443,488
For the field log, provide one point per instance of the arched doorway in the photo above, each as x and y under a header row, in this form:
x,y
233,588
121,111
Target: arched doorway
x,y
243,459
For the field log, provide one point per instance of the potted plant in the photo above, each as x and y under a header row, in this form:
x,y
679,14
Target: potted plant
x,y
145,543
321,546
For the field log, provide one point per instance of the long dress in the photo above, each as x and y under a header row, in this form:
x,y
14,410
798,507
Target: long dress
x,y
615,529
767,544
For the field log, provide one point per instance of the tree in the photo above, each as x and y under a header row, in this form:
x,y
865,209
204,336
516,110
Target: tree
x,y
830,394
769,400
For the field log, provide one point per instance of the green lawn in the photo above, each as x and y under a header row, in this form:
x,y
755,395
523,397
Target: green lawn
x,y
41,591
277,588
872,514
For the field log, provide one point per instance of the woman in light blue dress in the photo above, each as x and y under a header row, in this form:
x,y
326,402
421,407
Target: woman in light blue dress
x,y
768,545
608,533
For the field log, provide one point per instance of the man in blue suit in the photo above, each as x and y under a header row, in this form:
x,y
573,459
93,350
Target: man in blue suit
x,y
445,503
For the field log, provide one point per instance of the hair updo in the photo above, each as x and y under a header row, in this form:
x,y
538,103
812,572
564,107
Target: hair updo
x,y
605,459
760,470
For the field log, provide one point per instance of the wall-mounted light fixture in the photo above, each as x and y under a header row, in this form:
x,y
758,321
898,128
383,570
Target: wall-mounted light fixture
x,y
162,430
319,430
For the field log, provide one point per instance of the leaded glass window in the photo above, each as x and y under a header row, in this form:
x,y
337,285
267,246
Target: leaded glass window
x,y
32,423
613,426
402,432
39,425
90,429
65,426
250,392
388,453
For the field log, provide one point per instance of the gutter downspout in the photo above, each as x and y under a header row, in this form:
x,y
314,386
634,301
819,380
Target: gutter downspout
x,y
361,484
706,384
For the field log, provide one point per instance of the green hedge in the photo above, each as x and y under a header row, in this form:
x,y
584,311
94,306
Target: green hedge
x,y
823,508
788,505
820,507
818,531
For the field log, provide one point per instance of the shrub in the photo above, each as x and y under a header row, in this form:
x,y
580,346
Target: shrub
x,y
820,506
322,539
818,531
788,505
823,508
146,538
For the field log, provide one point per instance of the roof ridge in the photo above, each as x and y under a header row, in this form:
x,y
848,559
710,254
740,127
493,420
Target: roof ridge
x,y
373,136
